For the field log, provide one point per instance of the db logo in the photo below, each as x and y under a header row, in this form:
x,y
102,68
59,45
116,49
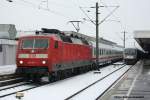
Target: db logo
x,y
32,51
32,56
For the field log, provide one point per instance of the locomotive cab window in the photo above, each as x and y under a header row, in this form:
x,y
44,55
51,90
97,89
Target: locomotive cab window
x,y
56,44
27,43
34,44
41,43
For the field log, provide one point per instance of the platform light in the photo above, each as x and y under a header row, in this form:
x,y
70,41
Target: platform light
x,y
21,62
43,62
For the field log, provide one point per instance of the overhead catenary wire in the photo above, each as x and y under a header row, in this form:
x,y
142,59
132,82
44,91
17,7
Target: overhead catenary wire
x,y
109,14
87,16
113,14
35,6
107,7
120,22
28,2
58,4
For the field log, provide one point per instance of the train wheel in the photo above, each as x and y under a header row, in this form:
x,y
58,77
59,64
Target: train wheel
x,y
51,77
27,77
93,66
36,79
19,71
59,75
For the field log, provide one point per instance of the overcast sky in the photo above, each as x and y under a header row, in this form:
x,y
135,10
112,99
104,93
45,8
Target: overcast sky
x,y
33,15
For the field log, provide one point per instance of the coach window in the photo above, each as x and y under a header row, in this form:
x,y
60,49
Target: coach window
x,y
56,44
0,47
99,51
94,51
103,51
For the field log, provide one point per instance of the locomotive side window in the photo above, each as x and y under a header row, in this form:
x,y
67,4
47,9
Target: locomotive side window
x,y
56,44
0,47
27,43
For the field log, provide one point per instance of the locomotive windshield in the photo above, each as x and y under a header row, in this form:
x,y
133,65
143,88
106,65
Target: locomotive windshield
x,y
27,43
35,43
130,51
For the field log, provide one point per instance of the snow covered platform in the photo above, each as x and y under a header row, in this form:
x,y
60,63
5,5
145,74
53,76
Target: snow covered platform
x,y
134,86
7,69
62,89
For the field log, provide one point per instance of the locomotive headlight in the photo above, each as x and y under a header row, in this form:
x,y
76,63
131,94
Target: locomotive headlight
x,y
43,62
21,62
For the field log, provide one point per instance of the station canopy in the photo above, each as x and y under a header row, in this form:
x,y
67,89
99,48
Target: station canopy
x,y
143,39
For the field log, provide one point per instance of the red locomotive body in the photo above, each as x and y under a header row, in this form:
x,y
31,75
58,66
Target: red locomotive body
x,y
58,55
49,54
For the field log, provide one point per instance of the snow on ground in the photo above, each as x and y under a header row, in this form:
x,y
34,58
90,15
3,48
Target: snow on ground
x,y
62,89
7,69
119,63
93,92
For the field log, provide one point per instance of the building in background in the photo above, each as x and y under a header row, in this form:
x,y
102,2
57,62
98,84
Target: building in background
x,y
7,44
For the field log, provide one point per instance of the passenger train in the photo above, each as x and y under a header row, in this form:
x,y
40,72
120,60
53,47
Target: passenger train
x,y
56,54
132,55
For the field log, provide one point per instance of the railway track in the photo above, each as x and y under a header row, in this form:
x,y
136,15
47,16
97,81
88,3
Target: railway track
x,y
78,93
7,76
24,86
19,87
12,90
12,83
10,79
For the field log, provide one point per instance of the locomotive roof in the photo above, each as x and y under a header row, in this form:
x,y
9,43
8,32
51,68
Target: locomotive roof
x,y
89,38
28,36
86,37
62,38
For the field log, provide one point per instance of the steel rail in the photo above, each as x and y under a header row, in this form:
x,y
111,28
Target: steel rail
x,y
73,95
113,83
35,86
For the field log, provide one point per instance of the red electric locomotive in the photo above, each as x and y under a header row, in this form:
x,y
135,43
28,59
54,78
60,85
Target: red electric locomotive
x,y
52,53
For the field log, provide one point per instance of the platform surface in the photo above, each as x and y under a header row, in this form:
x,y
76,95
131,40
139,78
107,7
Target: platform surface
x,y
134,86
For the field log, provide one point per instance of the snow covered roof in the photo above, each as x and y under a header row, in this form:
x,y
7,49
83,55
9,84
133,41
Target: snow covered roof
x,y
7,31
8,42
